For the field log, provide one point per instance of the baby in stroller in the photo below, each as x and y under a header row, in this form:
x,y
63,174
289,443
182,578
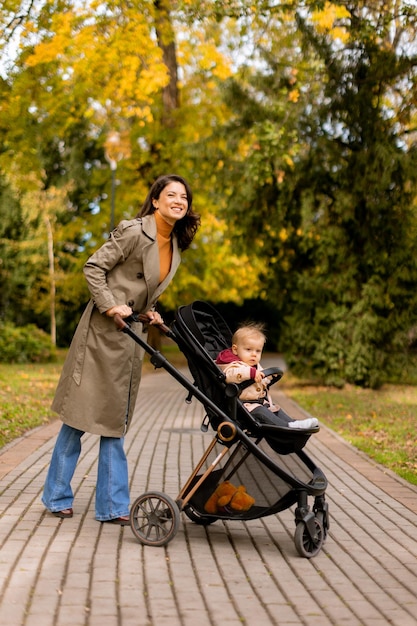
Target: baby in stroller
x,y
241,365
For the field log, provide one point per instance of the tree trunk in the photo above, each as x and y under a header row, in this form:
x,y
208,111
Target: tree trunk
x,y
166,41
52,288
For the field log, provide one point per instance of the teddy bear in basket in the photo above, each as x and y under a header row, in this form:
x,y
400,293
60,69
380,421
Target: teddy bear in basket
x,y
228,499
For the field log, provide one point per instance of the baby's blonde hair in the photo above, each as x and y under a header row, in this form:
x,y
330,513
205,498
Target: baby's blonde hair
x,y
249,329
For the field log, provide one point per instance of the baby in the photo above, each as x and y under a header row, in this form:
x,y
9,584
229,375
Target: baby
x,y
242,362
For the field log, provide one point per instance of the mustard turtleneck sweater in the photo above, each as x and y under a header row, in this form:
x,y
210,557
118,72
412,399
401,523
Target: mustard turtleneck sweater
x,y
163,236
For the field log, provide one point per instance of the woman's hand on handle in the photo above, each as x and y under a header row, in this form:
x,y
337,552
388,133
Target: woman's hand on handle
x,y
120,309
120,312
154,318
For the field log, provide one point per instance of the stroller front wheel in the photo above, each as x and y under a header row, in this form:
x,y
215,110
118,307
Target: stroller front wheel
x,y
154,518
307,544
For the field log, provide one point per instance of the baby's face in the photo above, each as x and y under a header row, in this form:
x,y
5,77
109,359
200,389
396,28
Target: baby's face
x,y
249,350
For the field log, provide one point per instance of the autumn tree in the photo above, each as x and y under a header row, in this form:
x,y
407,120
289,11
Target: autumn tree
x,y
82,72
361,177
333,188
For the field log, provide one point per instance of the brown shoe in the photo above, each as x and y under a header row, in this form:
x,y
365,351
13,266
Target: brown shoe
x,y
65,513
121,521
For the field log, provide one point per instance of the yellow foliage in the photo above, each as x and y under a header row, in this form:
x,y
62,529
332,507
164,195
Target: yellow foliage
x,y
206,55
326,18
294,95
212,270
111,65
283,234
340,33
50,49
293,76
280,174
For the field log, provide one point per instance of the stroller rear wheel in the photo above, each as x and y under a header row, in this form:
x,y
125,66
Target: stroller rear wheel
x,y
309,544
154,518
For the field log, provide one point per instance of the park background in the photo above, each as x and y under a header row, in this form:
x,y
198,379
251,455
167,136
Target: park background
x,y
295,124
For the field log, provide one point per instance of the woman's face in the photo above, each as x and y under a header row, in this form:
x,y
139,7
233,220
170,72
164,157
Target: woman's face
x,y
172,203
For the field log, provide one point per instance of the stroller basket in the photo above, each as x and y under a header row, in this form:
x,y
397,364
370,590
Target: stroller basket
x,y
273,486
248,470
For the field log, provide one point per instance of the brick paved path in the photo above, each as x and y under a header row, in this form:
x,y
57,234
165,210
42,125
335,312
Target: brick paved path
x,y
79,572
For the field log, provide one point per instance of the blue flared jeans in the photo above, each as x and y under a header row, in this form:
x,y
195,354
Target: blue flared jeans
x,y
112,487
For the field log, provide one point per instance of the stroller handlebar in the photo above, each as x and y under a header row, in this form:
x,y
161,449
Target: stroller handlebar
x,y
119,321
275,372
137,317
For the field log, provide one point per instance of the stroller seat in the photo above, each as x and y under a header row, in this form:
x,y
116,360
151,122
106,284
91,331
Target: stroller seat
x,y
202,334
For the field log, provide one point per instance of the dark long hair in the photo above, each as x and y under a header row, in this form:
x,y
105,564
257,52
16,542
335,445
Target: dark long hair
x,y
185,228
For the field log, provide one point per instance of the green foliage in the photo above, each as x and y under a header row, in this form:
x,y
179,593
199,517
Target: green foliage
x,y
363,222
326,194
25,344
13,286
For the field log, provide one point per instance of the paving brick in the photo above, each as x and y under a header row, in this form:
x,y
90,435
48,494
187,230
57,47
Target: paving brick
x,y
79,572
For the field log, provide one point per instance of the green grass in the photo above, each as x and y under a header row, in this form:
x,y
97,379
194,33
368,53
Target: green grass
x,y
380,423
26,393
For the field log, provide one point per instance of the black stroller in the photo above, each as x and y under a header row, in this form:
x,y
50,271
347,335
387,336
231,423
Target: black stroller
x,y
264,466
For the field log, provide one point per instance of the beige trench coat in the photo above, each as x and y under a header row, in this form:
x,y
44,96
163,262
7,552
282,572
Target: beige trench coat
x,y
100,379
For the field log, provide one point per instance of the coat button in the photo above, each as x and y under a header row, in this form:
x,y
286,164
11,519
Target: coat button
x,y
131,303
139,275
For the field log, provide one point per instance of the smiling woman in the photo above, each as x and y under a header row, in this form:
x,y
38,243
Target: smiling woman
x,y
172,203
181,198
100,379
170,206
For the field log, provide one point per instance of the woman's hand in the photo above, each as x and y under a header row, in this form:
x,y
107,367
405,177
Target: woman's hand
x,y
121,309
154,318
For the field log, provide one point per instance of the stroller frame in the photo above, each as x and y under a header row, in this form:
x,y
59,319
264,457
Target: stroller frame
x,y
266,457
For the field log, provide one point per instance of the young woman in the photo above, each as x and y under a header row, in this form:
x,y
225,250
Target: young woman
x,y
101,375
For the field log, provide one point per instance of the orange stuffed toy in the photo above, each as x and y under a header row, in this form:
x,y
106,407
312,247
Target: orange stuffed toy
x,y
228,498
